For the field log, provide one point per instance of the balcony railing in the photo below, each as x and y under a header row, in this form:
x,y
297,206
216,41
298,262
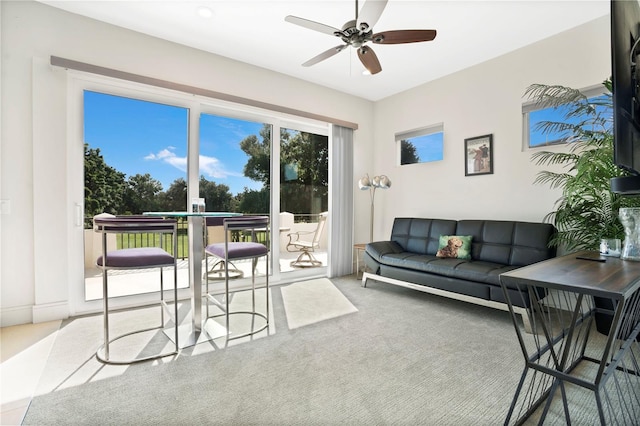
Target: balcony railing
x,y
151,240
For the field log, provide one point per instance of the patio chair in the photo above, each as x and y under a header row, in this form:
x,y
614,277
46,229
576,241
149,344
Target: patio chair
x,y
309,242
156,257
235,251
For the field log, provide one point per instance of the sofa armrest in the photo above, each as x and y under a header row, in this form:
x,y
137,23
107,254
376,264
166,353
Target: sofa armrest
x,y
378,249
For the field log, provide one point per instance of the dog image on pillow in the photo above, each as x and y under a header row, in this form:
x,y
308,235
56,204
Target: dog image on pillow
x,y
451,249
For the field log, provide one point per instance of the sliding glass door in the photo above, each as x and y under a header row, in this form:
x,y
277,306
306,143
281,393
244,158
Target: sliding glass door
x,y
137,150
237,159
304,200
134,161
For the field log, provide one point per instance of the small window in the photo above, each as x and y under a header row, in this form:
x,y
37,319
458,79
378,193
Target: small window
x,y
533,115
422,145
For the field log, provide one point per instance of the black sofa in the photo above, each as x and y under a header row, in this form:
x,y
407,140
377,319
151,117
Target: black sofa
x,y
409,258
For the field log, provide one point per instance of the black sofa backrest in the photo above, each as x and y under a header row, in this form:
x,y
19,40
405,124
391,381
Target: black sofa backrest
x,y
421,235
505,242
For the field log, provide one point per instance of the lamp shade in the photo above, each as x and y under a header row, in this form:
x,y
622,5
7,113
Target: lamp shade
x,y
364,183
380,181
384,182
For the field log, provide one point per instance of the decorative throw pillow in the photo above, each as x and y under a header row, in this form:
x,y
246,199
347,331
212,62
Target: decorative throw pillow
x,y
455,246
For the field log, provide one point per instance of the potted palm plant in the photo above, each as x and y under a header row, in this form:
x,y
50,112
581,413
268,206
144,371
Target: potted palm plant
x,y
587,209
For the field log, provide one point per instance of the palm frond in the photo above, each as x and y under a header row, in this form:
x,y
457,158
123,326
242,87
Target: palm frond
x,y
587,209
547,96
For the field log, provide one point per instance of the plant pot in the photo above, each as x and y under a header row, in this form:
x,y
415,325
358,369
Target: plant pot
x,y
630,219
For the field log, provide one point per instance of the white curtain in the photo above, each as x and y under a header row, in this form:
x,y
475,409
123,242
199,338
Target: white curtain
x,y
341,201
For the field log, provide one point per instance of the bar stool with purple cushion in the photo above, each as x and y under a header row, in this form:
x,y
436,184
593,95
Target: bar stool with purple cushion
x,y
236,251
217,271
156,230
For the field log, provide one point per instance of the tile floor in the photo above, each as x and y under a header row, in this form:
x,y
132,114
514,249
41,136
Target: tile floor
x,y
24,350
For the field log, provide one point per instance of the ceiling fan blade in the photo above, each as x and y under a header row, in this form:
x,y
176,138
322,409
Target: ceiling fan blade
x,y
370,13
369,60
325,55
403,36
312,25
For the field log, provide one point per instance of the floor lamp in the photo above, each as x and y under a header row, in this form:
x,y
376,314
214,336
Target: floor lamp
x,y
382,182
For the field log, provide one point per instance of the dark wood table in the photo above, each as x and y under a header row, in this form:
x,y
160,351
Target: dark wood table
x,y
582,362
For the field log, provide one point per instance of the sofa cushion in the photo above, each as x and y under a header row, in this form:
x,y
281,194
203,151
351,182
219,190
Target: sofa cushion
x,y
454,246
421,236
378,249
478,271
508,242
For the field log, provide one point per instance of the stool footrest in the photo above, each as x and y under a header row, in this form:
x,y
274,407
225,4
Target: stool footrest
x,y
249,333
103,359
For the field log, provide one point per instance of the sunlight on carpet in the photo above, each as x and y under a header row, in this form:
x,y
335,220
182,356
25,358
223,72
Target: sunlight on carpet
x,y
312,301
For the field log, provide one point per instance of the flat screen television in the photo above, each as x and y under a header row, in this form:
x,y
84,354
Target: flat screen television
x,y
625,54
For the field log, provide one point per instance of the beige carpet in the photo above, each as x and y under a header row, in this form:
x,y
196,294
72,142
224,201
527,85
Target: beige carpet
x,y
309,302
390,356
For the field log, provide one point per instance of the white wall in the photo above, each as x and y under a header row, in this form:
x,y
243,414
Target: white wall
x,y
39,235
484,99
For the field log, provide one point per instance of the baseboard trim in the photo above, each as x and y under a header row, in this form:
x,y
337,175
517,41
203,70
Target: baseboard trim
x,y
16,316
50,311
523,312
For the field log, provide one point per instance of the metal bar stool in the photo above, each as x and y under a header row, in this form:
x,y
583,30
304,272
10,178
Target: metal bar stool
x,y
217,271
138,258
239,250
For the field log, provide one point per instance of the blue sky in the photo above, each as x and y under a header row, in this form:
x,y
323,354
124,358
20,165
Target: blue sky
x,y
539,138
429,147
138,137
536,136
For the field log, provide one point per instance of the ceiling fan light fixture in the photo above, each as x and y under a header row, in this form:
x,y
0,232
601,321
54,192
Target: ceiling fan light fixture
x,y
204,12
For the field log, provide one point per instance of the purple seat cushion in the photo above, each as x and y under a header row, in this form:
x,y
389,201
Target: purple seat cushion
x,y
137,258
238,250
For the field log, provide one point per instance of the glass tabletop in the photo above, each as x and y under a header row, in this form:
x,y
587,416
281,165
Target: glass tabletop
x,y
187,214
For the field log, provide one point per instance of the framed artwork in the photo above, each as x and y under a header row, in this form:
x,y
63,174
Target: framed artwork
x,y
478,155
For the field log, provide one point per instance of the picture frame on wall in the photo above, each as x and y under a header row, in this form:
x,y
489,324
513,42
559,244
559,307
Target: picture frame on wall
x,y
478,155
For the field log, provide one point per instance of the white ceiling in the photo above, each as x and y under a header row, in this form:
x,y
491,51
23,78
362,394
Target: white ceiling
x,y
254,31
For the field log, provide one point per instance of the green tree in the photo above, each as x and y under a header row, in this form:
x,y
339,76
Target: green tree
x,y
259,163
304,172
174,198
216,196
104,186
252,201
408,153
142,194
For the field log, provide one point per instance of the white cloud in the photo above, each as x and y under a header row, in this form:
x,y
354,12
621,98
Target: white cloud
x,y
168,156
210,167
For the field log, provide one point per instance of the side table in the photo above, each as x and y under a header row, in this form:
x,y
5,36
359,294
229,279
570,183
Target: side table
x,y
359,249
573,372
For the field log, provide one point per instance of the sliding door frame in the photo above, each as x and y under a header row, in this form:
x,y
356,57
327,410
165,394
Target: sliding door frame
x,y
79,81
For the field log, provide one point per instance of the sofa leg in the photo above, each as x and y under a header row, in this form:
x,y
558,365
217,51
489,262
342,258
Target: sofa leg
x,y
364,279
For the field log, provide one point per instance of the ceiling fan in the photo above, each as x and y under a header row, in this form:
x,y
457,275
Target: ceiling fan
x,y
359,31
